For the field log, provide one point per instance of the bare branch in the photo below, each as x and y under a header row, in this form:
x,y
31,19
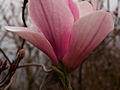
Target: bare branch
x,y
36,65
5,56
24,22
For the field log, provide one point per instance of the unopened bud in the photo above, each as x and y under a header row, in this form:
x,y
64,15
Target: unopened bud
x,y
21,54
116,13
12,67
4,64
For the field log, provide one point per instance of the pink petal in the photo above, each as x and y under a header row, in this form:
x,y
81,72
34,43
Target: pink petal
x,y
85,8
87,34
36,39
55,20
95,4
74,8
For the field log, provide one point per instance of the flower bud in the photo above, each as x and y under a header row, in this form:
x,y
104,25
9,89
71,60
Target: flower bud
x,y
21,54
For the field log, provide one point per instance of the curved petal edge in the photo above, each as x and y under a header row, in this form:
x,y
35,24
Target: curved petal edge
x,y
55,20
36,39
73,5
88,32
85,8
95,4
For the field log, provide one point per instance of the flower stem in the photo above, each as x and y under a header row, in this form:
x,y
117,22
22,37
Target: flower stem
x,y
63,75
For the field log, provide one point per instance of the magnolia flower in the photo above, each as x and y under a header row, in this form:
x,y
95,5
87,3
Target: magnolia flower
x,y
70,30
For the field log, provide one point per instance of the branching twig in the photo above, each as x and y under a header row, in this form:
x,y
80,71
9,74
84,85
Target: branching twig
x,y
12,69
5,56
35,65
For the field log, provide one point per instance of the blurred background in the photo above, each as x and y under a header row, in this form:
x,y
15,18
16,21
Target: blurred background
x,y
100,71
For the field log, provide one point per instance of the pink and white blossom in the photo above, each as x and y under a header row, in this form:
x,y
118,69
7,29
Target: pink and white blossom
x,y
71,29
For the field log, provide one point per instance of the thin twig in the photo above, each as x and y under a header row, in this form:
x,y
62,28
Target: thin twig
x,y
35,65
3,80
5,56
23,12
11,81
23,18
108,5
40,88
24,22
22,45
